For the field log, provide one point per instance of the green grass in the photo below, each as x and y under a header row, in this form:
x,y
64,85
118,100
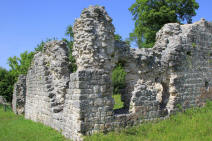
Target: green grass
x,y
118,103
16,128
191,125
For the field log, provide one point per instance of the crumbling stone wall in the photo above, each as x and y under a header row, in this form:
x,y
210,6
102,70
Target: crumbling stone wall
x,y
90,86
19,95
181,66
46,84
177,71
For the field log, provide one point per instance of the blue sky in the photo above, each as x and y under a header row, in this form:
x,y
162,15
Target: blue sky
x,y
25,23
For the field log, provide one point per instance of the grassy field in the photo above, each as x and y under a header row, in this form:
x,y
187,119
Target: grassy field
x,y
192,125
16,128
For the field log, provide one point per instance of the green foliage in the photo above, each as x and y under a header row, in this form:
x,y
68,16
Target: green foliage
x,y
180,108
40,46
69,32
194,45
16,128
118,78
6,84
118,103
127,41
20,65
151,15
117,37
192,125
70,42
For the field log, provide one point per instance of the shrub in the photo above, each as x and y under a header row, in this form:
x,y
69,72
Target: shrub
x,y
118,78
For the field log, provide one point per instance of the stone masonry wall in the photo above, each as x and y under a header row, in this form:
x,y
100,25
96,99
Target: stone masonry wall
x,y
46,84
176,72
19,95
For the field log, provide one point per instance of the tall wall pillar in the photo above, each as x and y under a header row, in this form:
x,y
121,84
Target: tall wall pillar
x,y
94,53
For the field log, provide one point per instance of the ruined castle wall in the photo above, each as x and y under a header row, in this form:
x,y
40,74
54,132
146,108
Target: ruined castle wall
x,y
180,74
46,84
71,112
193,82
128,58
19,95
94,53
175,73
91,100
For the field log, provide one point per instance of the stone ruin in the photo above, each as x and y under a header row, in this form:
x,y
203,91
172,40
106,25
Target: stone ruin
x,y
177,71
19,95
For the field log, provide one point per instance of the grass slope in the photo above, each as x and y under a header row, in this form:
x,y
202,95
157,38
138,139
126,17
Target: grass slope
x,y
191,125
16,128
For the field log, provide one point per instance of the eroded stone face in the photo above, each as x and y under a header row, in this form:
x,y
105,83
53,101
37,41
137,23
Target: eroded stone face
x,y
19,95
94,39
46,85
175,72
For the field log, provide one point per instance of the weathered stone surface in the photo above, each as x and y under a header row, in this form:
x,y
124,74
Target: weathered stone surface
x,y
47,81
94,39
176,71
19,95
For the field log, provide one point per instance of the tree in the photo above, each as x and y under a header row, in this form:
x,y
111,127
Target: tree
x,y
20,65
69,32
6,84
70,42
151,15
